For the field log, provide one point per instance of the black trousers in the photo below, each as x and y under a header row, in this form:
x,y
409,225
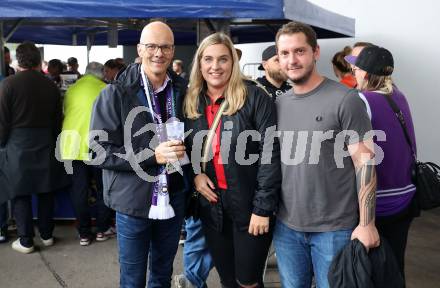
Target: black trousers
x,y
238,256
4,215
395,229
22,211
79,194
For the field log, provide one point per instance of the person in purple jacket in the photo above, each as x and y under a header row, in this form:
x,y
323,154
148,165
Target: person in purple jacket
x,y
395,208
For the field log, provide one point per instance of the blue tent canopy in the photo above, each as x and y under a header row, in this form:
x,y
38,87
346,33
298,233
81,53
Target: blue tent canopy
x,y
70,21
258,9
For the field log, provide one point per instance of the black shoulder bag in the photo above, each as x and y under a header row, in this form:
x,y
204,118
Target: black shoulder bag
x,y
426,175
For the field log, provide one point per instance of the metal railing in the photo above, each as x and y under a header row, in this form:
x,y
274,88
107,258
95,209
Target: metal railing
x,y
251,70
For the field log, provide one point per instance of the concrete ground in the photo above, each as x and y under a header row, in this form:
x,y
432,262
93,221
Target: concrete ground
x,y
69,265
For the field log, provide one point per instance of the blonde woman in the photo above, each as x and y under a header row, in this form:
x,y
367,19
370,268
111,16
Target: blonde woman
x,y
239,189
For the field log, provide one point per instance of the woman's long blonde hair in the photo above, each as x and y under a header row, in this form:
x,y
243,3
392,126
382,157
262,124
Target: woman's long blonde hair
x,y
235,91
383,84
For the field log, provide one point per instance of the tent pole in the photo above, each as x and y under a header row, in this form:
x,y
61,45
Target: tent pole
x,y
88,55
88,48
13,29
90,40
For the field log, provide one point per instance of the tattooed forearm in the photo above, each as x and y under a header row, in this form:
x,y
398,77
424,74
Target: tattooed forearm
x,y
366,187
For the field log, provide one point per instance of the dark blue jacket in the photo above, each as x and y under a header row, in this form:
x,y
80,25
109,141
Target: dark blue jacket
x,y
124,190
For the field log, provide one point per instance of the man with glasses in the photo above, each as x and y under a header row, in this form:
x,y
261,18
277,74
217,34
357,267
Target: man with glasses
x,y
149,211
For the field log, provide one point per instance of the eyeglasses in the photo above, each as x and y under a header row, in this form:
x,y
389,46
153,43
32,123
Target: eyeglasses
x,y
152,48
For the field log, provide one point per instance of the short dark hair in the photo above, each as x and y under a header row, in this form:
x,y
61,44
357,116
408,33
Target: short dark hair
x,y
111,64
28,55
72,61
7,50
298,27
120,63
117,63
56,63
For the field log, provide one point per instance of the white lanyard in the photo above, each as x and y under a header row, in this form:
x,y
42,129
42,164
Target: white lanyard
x,y
147,94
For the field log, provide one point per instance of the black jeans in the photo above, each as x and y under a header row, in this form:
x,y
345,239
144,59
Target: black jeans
x,y
394,229
4,215
22,211
238,256
79,194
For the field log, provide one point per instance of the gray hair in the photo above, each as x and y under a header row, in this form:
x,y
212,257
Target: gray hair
x,y
96,69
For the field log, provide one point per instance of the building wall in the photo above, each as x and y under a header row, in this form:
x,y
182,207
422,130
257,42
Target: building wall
x,y
409,29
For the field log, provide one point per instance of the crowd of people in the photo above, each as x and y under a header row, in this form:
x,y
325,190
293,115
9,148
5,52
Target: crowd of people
x,y
292,158
32,124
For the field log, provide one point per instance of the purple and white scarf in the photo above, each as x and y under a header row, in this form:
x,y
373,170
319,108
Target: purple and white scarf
x,y
160,202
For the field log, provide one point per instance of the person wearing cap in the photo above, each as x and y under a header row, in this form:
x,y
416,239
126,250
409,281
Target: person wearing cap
x,y
274,81
72,66
328,182
396,205
357,49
